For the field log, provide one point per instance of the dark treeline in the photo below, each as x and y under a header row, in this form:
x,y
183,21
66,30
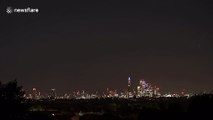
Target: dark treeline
x,y
13,106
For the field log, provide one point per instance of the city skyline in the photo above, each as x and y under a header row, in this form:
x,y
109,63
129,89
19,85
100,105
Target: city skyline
x,y
143,89
90,45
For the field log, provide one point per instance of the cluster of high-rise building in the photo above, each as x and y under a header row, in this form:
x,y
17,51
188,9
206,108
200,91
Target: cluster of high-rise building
x,y
37,94
143,89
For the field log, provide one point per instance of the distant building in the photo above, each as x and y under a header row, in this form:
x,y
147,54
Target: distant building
x,y
145,89
53,94
129,88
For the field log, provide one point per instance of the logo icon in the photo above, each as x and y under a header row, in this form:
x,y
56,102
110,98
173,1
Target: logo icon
x,y
9,10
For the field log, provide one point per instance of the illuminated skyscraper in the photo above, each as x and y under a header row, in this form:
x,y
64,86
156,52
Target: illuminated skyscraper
x,y
140,88
53,93
34,95
129,87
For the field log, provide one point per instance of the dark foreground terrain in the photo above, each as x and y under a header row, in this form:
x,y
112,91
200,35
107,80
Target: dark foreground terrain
x,y
198,107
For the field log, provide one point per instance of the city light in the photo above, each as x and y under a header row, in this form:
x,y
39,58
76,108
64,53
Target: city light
x,y
143,89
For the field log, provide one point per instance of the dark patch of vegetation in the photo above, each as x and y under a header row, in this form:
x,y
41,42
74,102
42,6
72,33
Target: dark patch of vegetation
x,y
12,102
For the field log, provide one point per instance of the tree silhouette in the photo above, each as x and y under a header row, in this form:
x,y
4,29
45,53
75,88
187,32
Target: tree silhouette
x,y
12,105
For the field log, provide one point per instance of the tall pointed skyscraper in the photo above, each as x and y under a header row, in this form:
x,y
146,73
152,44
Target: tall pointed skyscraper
x,y
129,87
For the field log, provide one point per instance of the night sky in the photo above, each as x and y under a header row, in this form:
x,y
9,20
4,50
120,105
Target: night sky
x,y
88,45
